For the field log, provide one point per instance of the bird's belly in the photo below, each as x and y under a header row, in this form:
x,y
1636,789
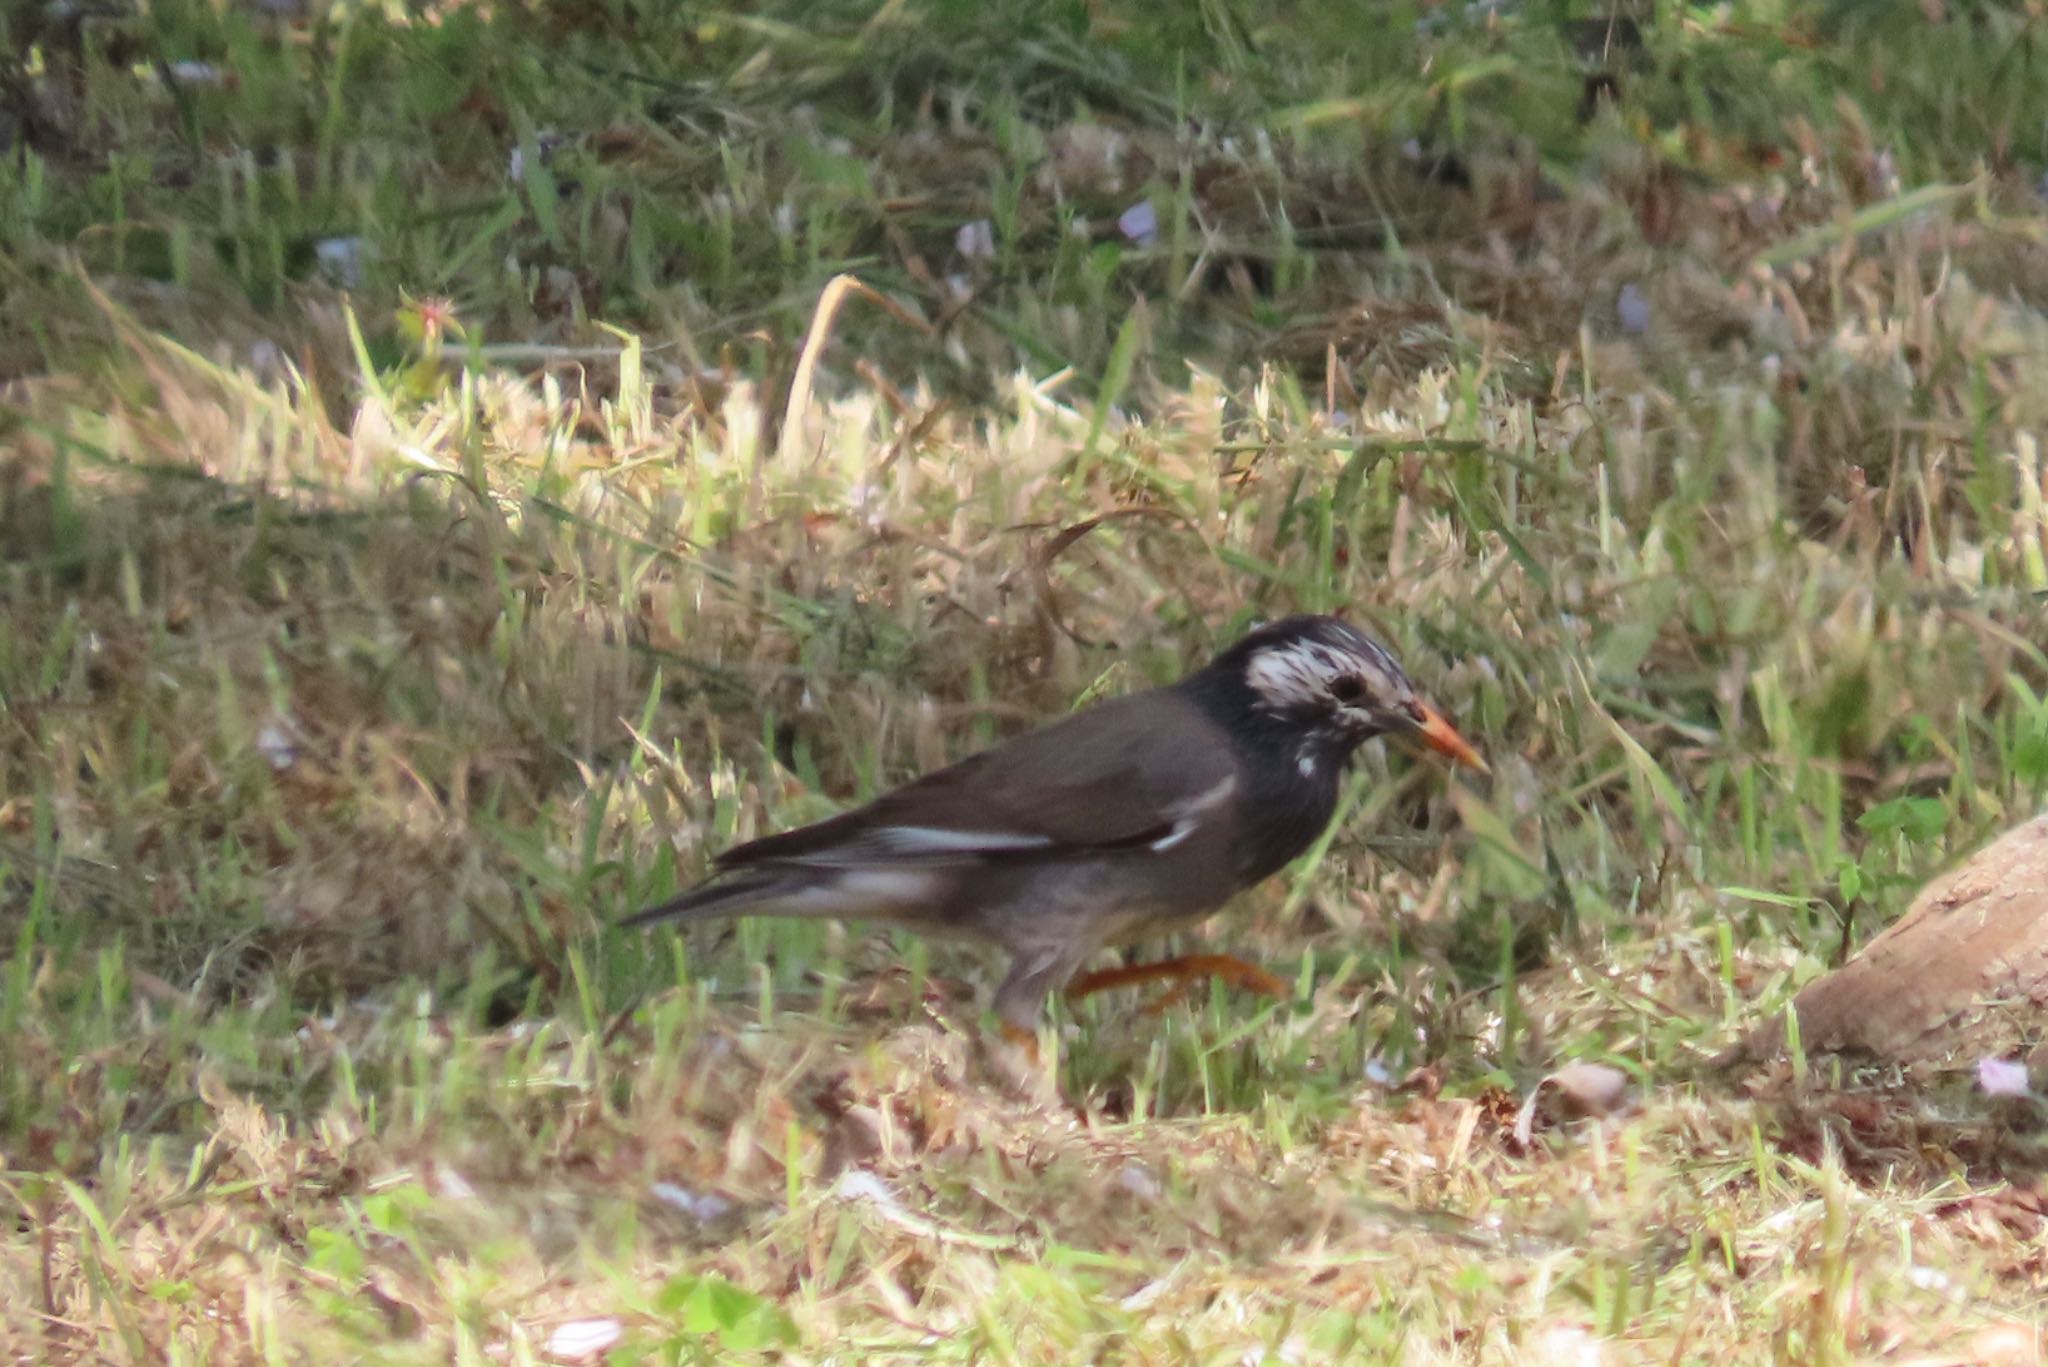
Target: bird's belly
x,y
1096,901
1145,922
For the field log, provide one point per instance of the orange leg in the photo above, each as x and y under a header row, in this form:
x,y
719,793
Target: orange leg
x,y
1181,971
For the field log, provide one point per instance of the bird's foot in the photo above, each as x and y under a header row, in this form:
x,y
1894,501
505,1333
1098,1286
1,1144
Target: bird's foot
x,y
1183,972
1022,1068
1019,1038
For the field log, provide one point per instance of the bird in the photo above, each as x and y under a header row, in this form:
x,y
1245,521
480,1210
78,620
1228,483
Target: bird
x,y
1132,817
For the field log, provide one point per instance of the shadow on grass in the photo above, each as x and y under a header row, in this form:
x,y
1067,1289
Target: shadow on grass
x,y
296,738
314,746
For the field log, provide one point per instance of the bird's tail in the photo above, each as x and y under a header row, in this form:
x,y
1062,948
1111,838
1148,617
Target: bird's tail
x,y
751,894
802,890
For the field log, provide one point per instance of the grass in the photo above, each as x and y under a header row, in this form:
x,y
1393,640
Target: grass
x,y
407,567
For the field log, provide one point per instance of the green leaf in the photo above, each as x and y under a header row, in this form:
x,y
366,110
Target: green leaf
x,y
1849,880
334,1253
1918,818
2030,758
390,1212
741,1320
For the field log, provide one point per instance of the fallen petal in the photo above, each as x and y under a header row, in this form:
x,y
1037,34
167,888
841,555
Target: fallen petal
x,y
341,260
582,1340
703,1207
1140,223
1632,309
976,241
2002,1077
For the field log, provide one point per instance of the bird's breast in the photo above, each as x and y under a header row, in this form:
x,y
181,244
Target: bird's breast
x,y
1287,805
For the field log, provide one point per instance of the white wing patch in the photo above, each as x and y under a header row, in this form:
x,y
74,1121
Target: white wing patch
x,y
913,845
940,840
1210,798
1188,815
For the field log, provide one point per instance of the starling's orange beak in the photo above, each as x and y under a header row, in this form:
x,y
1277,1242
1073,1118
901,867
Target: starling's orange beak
x,y
1439,735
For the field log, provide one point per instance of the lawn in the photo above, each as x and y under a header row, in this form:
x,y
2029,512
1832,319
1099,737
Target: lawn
x,y
462,465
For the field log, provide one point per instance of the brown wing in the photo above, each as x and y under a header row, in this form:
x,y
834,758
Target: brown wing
x,y
1120,774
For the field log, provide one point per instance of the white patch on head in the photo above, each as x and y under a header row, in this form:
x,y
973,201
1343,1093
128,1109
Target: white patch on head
x,y
1306,762
1299,673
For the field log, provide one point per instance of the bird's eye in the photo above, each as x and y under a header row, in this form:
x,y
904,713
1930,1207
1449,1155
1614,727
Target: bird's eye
x,y
1348,689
